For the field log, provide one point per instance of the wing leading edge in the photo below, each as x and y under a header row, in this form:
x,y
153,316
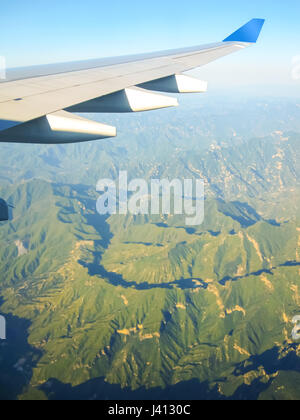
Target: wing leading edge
x,y
37,105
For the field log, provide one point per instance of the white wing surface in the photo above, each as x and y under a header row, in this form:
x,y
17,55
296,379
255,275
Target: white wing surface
x,y
39,104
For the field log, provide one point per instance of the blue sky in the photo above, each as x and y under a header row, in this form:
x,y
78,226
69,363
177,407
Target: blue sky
x,y
42,31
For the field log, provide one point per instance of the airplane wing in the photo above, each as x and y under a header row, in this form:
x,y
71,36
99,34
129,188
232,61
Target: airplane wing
x,y
40,104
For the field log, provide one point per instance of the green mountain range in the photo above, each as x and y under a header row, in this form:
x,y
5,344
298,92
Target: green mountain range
x,y
145,307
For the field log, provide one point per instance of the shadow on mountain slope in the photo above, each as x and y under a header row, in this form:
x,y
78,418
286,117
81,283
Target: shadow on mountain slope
x,y
259,273
193,390
96,269
17,358
271,362
98,389
242,213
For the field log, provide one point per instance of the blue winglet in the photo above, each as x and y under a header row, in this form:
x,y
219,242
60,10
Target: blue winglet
x,y
247,33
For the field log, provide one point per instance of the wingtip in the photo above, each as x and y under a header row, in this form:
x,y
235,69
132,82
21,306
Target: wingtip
x,y
248,33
